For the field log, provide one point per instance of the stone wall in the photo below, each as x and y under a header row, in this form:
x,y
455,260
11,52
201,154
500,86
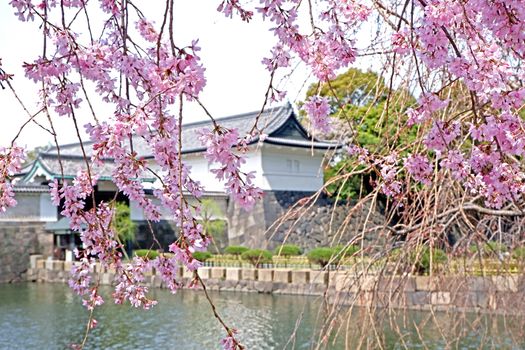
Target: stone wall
x,y
165,233
18,240
503,294
319,224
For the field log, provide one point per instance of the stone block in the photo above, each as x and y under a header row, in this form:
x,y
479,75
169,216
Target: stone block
x,y
265,275
319,277
346,281
482,299
300,276
509,302
425,283
217,272
68,265
505,283
54,265
282,276
156,281
187,273
440,298
249,274
204,272
106,279
463,299
479,284
33,259
101,269
41,264
233,274
419,298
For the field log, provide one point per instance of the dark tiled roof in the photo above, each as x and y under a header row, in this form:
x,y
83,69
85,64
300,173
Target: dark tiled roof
x,y
72,164
279,123
301,143
23,188
270,121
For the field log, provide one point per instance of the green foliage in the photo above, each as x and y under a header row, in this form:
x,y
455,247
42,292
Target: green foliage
x,y
519,253
257,256
235,250
202,256
346,252
322,256
215,227
366,100
150,254
211,220
422,260
489,248
288,250
122,224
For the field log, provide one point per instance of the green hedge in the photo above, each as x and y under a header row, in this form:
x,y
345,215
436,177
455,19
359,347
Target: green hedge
x,y
519,253
288,250
489,248
235,250
256,257
147,253
202,256
322,256
423,264
346,252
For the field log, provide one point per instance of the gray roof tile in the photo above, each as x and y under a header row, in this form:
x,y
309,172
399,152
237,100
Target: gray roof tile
x,y
271,121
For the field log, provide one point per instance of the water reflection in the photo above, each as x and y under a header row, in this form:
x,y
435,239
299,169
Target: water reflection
x,y
47,316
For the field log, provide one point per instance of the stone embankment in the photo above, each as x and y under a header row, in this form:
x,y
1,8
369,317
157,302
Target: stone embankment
x,y
504,294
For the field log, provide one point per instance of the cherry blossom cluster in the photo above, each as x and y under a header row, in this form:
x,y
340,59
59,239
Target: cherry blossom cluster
x,y
318,110
420,168
327,47
229,6
130,278
220,145
11,160
479,43
390,185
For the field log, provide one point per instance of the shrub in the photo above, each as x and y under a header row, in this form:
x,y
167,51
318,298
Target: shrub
x,y
202,256
489,248
423,263
519,253
257,256
321,256
147,253
235,250
346,252
288,250
122,224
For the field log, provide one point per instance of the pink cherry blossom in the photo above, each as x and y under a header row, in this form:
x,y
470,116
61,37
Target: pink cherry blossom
x,y
318,110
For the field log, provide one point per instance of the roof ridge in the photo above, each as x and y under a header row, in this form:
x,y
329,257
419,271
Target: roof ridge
x,y
242,115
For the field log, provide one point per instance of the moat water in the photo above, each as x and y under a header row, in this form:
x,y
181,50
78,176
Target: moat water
x,y
50,316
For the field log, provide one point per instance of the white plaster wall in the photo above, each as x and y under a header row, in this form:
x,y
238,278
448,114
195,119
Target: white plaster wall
x,y
291,169
48,211
276,168
200,169
31,207
135,211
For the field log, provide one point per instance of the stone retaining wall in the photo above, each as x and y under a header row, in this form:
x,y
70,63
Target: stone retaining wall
x,y
18,240
503,294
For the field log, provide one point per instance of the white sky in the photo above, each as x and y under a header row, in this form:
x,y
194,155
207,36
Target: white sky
x,y
231,52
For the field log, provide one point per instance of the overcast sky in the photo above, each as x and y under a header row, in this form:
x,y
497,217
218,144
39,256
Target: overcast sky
x,y
231,52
